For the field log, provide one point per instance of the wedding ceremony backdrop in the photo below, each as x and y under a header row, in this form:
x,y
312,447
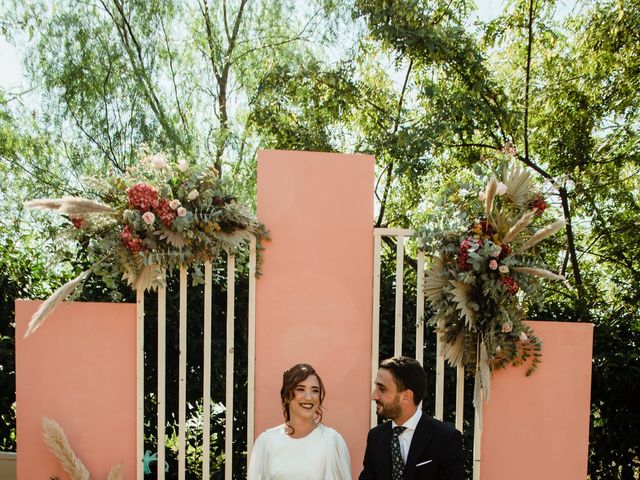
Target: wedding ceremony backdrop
x,y
317,301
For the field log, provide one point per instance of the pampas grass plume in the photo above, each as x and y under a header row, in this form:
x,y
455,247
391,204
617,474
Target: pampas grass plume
x,y
519,226
52,302
69,205
542,234
57,442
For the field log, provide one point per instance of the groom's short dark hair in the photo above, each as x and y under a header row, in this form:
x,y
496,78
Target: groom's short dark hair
x,y
408,375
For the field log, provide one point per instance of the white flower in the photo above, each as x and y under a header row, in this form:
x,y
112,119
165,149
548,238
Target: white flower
x,y
503,269
523,337
493,264
498,349
158,161
183,166
193,194
174,204
482,196
182,211
501,189
148,217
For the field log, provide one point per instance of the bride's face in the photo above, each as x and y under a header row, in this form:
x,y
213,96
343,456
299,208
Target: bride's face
x,y
306,399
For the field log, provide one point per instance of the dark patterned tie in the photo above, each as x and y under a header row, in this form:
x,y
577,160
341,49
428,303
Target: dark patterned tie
x,y
397,464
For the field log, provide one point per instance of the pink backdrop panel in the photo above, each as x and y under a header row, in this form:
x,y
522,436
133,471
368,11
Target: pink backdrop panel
x,y
79,368
538,427
314,299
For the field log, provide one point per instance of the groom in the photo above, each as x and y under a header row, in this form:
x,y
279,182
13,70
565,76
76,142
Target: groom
x,y
412,445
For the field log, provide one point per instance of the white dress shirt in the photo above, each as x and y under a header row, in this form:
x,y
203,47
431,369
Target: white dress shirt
x,y
406,436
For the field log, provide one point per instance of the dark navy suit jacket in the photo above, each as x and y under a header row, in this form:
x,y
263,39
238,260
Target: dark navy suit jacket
x,y
435,453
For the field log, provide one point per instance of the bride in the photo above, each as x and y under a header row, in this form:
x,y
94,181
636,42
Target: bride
x,y
302,448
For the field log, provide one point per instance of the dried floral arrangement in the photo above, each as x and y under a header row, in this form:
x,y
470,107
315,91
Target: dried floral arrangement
x,y
158,215
57,441
482,273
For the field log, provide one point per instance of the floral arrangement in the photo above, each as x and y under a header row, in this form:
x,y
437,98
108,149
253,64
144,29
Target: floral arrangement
x,y
482,273
158,215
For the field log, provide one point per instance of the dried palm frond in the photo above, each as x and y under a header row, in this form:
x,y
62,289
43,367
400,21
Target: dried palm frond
x,y
116,473
69,205
435,281
58,443
485,371
490,194
542,234
519,226
52,302
539,272
453,351
146,278
462,296
234,239
173,238
518,181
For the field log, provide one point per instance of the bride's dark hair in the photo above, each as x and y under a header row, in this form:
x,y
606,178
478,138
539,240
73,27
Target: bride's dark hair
x,y
290,379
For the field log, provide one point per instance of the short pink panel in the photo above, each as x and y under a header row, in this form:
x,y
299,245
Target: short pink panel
x,y
537,427
79,368
314,298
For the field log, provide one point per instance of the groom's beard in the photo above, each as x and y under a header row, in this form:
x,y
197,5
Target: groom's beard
x,y
390,410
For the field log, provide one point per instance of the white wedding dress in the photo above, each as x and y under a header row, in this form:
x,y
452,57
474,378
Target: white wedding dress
x,y
321,455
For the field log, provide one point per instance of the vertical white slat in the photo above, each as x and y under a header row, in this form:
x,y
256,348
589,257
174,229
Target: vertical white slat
x,y
420,308
460,398
375,320
182,376
162,371
397,347
206,371
251,348
477,437
439,379
139,384
228,427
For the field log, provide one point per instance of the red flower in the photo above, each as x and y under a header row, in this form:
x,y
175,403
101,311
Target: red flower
x,y
539,204
142,196
165,213
77,221
130,240
509,284
506,250
463,254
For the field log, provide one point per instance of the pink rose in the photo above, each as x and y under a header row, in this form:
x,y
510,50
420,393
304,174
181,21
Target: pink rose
x,y
523,337
506,327
182,211
501,189
174,204
482,196
158,161
183,166
148,217
493,264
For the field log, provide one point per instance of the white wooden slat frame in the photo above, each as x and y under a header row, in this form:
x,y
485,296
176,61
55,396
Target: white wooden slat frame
x,y
162,380
182,376
251,348
206,372
440,364
228,426
139,384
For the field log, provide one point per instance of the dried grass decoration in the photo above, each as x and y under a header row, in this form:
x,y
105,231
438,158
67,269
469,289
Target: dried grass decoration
x,y
57,441
158,215
482,273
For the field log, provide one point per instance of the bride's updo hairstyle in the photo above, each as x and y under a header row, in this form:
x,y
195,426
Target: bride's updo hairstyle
x,y
290,379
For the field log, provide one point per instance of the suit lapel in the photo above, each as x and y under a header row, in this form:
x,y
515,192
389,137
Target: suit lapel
x,y
385,450
421,439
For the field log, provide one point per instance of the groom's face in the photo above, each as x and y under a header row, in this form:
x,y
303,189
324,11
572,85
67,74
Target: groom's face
x,y
385,394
